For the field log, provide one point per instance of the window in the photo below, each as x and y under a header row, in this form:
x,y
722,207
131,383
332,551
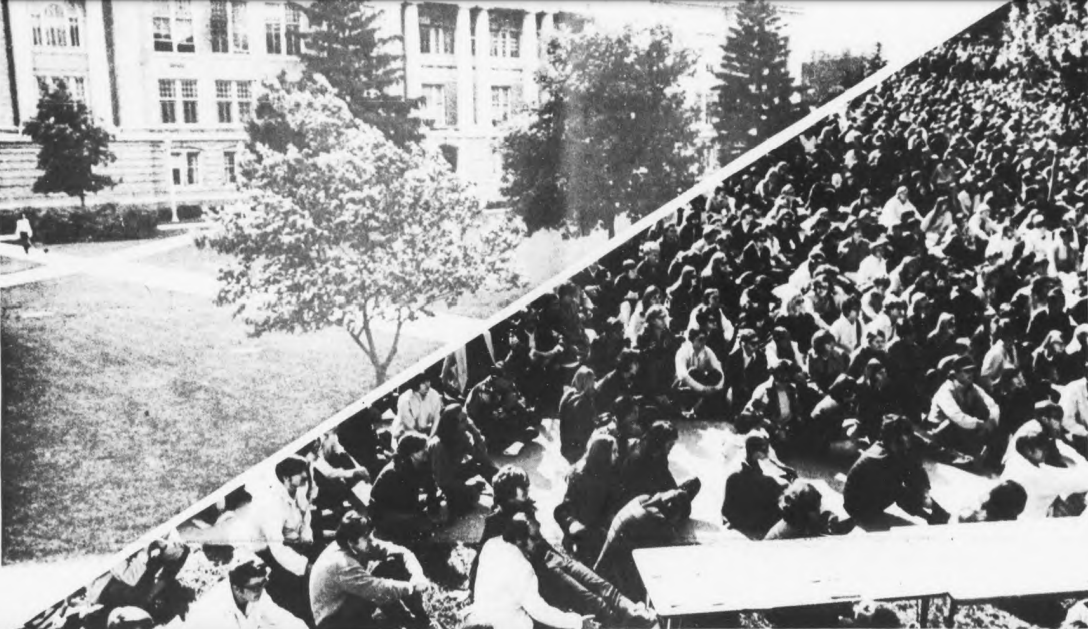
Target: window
x,y
505,36
173,25
185,168
168,101
74,84
56,26
273,29
501,104
437,107
233,101
293,32
228,26
435,36
230,168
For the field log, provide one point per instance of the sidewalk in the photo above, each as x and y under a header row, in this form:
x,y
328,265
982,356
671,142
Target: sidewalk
x,y
27,589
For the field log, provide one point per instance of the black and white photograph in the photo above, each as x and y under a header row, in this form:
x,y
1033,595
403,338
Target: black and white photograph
x,y
676,313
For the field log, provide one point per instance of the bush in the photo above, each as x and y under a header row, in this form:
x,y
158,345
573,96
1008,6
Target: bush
x,y
103,222
189,212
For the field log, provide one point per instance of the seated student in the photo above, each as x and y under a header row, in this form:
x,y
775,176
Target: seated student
x,y
801,506
833,426
751,496
645,522
1048,484
360,437
964,416
336,475
577,413
506,594
646,468
847,329
358,575
590,499
745,369
627,425
458,459
874,347
564,583
239,602
404,501
888,473
825,360
699,376
1005,501
417,410
778,402
620,382
283,509
495,407
1074,403
146,580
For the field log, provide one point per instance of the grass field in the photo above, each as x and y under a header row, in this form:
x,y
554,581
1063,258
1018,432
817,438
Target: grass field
x,y
123,405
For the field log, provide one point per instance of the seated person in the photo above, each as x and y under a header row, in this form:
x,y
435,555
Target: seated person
x,y
751,496
358,576
147,580
646,468
1048,484
404,501
458,460
496,408
590,499
801,506
964,416
1005,501
417,410
362,440
833,425
336,475
745,369
888,473
645,522
564,583
240,601
578,413
506,594
778,402
698,375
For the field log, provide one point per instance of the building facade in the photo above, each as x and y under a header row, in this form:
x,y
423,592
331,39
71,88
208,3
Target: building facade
x,y
174,80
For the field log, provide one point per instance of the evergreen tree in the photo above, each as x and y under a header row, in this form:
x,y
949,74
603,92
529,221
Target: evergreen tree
x,y
755,85
72,145
877,61
613,134
344,46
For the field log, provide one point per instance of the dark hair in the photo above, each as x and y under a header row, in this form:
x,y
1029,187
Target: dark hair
x,y
247,570
353,526
517,529
851,303
1006,501
893,427
623,406
661,432
409,444
507,481
291,466
448,427
626,358
708,293
695,333
797,501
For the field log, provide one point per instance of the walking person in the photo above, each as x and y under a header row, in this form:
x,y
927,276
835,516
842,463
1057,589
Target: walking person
x,y
25,232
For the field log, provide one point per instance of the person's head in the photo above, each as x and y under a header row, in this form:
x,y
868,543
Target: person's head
x,y
874,338
1049,415
511,485
355,533
851,307
662,437
627,362
517,532
1033,443
746,338
1005,502
627,416
875,372
697,336
801,504
651,296
292,472
796,304
901,194
568,292
584,380
423,387
843,389
247,576
601,452
655,317
962,371
673,505
783,371
896,434
711,298
821,343
129,618
448,429
895,308
946,323
411,449
757,446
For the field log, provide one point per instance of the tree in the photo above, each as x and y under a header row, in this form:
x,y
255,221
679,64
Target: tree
x,y
613,133
344,46
755,87
72,145
828,76
347,229
877,61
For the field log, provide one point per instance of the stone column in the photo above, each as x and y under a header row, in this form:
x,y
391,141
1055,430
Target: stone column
x,y
26,86
483,69
530,59
98,71
462,50
412,88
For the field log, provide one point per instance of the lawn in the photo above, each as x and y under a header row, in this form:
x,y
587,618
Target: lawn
x,y
122,405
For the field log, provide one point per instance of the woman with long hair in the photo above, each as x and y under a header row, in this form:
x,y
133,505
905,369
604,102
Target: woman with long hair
x,y
590,500
578,413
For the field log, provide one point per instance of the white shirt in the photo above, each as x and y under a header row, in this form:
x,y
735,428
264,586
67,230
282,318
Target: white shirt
x,y
279,517
945,406
216,609
1074,402
687,359
1044,483
893,211
507,592
847,334
23,225
871,268
419,414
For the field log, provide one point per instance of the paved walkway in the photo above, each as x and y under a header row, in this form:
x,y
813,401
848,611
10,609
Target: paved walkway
x,y
27,589
124,266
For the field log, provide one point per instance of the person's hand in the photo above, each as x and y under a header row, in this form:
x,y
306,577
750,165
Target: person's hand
x,y
589,623
419,585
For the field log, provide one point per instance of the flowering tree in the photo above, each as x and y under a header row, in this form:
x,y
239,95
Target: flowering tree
x,y
346,229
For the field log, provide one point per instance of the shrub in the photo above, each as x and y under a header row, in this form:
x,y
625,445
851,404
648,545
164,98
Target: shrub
x,y
189,212
103,222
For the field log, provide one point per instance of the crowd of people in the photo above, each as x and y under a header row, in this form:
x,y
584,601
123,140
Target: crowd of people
x,y
904,282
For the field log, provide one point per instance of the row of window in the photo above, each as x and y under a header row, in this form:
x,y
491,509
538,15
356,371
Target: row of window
x,y
229,24
438,108
185,168
233,100
437,38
